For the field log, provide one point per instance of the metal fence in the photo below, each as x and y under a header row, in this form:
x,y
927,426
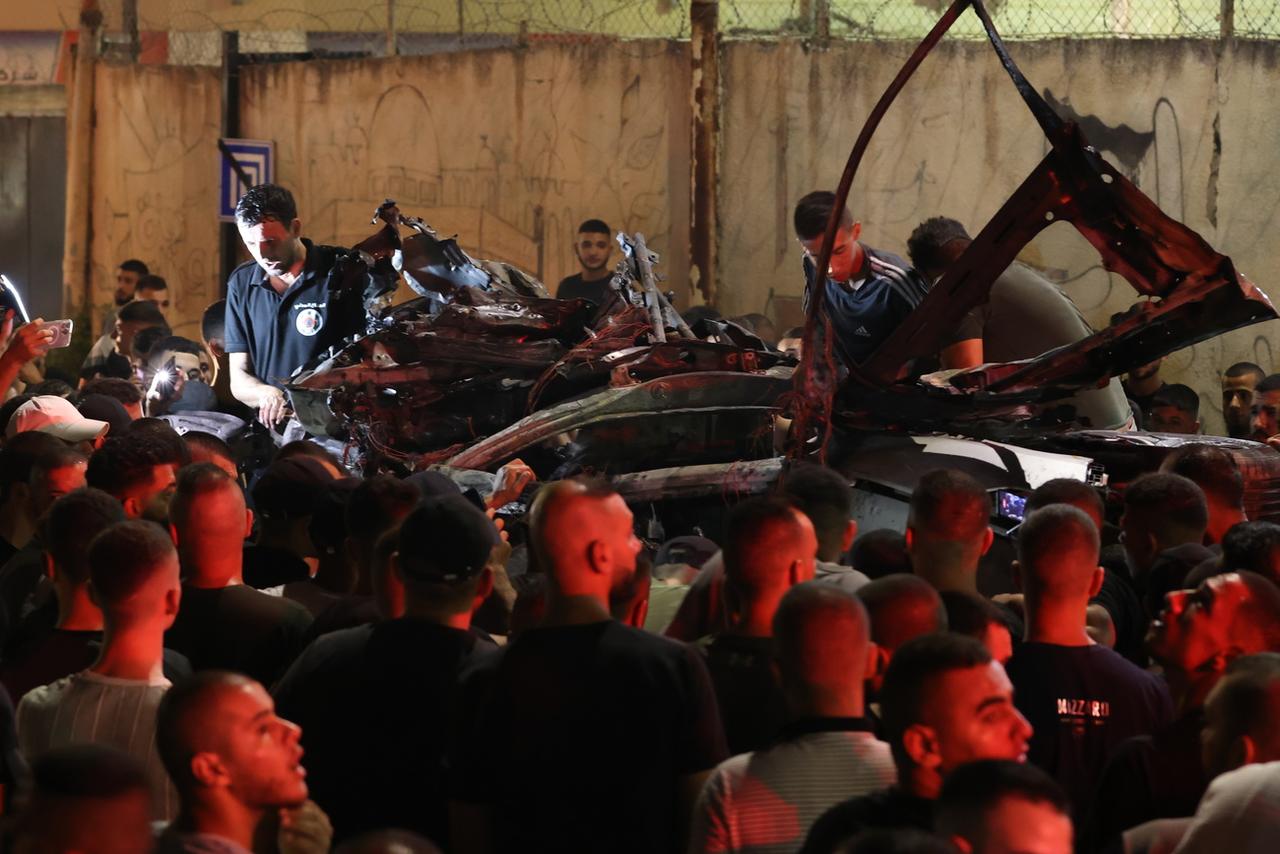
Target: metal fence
x,y
377,26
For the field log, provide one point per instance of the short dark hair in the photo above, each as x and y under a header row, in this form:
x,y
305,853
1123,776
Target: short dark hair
x,y
1259,614
594,226
1255,546
1179,396
213,323
949,505
812,213
9,407
1269,383
1171,506
147,339
142,311
266,201
975,788
879,553
124,556
133,265
152,282
306,448
825,496
124,462
908,681
1245,693
751,525
209,443
970,613
1065,490
53,388
926,242
19,455
164,435
59,457
1245,369
188,698
1212,469
72,522
114,387
178,344
376,506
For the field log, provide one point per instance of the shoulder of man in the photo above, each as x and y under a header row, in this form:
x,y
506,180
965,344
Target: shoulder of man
x,y
901,276
242,273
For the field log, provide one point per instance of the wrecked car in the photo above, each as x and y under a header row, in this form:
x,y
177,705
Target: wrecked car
x,y
483,368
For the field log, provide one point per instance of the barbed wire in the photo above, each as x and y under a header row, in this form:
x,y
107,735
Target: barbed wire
x,y
364,25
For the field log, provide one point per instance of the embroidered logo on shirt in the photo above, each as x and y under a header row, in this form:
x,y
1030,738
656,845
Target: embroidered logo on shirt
x,y
308,322
862,330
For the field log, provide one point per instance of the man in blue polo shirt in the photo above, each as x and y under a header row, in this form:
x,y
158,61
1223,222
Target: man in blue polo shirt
x,y
292,302
868,292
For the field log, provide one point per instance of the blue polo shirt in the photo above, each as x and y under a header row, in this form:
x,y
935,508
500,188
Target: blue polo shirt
x,y
865,310
283,332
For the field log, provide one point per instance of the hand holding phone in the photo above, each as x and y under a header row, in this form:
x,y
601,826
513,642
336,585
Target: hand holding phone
x,y
62,330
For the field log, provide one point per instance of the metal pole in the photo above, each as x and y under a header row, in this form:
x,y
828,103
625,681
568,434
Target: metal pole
x,y
392,47
129,14
653,298
77,285
1228,19
822,21
228,237
704,19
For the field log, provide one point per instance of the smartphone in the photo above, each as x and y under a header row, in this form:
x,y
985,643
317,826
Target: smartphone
x,y
1011,505
11,299
61,332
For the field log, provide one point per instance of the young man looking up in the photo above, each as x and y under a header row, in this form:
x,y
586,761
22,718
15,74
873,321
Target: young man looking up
x,y
868,292
593,247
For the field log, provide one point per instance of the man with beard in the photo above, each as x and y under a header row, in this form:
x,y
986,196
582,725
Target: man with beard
x,y
593,249
127,276
1238,384
290,303
1265,423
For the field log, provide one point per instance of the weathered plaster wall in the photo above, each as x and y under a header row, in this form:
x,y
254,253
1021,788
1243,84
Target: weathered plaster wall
x,y
1191,126
509,150
155,183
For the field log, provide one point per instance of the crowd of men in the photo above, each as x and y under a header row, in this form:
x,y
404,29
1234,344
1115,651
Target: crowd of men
x,y
204,653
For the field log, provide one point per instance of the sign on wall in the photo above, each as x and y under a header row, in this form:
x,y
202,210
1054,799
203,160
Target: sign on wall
x,y
255,159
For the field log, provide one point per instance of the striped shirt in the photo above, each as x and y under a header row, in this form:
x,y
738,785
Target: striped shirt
x,y
89,708
766,801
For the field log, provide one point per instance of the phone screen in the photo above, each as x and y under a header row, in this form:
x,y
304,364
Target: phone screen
x,y
1011,505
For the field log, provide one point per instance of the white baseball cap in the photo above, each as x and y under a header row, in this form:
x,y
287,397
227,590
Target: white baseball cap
x,y
54,415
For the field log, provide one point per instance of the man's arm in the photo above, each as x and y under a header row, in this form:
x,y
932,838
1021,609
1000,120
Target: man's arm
x,y
962,354
270,401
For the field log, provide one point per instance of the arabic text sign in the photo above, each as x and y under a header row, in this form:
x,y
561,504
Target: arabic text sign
x,y
257,160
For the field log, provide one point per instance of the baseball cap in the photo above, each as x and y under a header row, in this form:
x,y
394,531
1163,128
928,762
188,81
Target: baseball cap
x,y
50,414
445,540
290,488
102,408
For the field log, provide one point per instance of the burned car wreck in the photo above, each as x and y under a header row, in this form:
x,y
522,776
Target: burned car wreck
x,y
484,367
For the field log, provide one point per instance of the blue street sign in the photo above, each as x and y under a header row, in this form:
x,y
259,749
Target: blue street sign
x,y
257,160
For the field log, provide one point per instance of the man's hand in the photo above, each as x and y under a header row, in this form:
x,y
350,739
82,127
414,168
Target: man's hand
x,y
27,342
510,483
273,407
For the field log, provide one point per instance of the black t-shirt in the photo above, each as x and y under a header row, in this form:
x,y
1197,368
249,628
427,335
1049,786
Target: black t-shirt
x,y
1150,777
346,613
61,652
1169,572
1120,599
888,809
238,628
374,704
1082,702
265,567
576,737
283,332
751,705
572,287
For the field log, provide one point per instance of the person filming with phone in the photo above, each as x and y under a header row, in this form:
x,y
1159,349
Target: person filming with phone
x,y
289,304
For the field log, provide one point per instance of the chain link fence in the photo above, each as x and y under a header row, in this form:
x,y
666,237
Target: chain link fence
x,y
364,27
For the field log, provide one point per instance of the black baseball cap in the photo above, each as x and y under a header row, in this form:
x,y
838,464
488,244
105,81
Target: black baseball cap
x,y
291,488
446,539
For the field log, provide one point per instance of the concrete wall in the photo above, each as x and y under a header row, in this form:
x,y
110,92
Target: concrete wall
x,y
155,183
1192,128
509,150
